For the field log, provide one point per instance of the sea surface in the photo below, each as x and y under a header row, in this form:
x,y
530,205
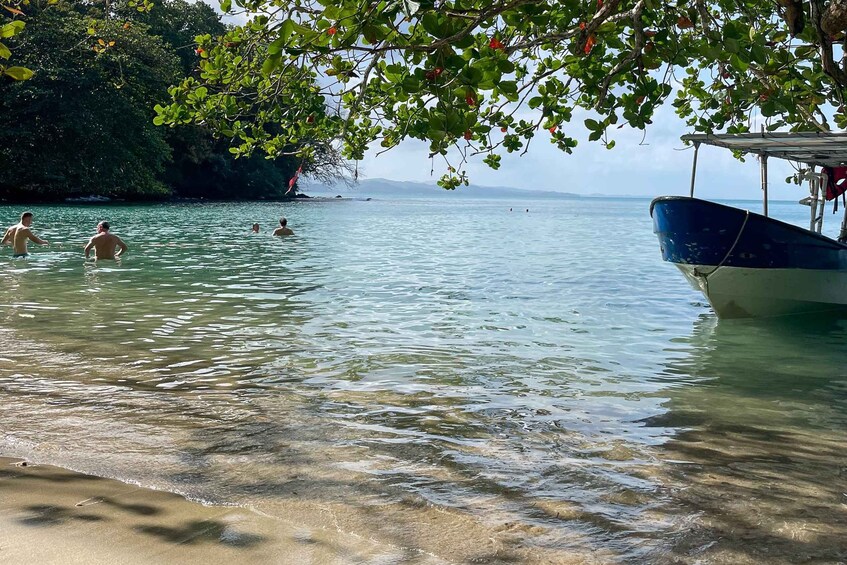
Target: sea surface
x,y
454,380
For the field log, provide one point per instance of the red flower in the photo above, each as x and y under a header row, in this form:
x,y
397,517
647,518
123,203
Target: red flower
x,y
434,73
468,134
495,43
470,99
332,31
582,25
684,23
553,129
589,43
639,100
199,50
504,130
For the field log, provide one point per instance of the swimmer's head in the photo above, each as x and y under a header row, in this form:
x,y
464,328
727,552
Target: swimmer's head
x,y
26,219
103,227
255,228
283,222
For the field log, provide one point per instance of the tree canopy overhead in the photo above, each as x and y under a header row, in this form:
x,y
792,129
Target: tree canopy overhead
x,y
483,77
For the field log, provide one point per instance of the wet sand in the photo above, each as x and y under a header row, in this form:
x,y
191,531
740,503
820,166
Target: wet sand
x,y
51,515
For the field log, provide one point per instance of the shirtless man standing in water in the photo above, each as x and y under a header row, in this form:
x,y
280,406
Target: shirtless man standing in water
x,y
18,235
104,244
283,228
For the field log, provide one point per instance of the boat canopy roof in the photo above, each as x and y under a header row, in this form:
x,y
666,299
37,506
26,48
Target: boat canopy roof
x,y
822,149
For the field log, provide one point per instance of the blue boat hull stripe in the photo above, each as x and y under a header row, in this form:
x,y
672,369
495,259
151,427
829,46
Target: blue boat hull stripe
x,y
698,232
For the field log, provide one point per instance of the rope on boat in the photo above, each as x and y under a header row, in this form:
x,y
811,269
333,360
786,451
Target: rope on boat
x,y
706,276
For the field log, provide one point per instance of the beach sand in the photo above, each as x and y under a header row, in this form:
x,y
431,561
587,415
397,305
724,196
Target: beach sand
x,y
51,515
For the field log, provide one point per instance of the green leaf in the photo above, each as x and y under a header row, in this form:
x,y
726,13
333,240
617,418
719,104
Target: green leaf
x,y
270,64
11,28
436,24
276,46
19,73
738,63
508,86
731,45
4,51
226,5
430,23
285,31
410,7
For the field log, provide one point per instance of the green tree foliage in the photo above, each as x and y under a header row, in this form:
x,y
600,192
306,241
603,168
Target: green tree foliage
x,y
177,22
11,24
483,77
203,167
82,124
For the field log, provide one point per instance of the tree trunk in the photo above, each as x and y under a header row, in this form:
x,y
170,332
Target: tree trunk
x,y
834,17
794,16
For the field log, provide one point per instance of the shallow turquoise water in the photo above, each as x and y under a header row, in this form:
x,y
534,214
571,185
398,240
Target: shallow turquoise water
x,y
435,371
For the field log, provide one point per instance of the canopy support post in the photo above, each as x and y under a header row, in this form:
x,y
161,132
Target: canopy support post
x,y
842,235
694,168
764,161
814,195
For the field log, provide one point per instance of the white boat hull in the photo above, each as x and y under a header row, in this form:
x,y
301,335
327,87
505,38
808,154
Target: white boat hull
x,y
739,292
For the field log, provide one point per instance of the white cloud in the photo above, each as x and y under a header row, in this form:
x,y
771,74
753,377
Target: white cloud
x,y
659,165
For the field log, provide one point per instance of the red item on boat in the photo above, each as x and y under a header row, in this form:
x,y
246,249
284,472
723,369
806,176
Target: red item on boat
x,y
837,183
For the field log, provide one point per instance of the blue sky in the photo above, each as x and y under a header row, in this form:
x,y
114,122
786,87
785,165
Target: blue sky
x,y
660,165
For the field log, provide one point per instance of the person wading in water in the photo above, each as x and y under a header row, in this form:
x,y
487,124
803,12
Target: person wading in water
x,y
104,244
18,235
283,229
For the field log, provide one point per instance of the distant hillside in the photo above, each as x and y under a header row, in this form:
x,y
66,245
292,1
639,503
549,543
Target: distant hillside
x,y
381,188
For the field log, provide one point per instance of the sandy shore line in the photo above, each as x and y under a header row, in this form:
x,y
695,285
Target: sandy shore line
x,y
52,515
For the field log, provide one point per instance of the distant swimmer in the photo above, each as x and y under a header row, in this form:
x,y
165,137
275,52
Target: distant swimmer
x,y
105,243
283,228
255,228
18,235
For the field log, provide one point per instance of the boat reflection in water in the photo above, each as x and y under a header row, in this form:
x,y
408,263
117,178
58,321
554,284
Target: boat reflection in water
x,y
756,470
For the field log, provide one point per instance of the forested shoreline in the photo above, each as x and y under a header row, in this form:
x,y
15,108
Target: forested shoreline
x,y
83,124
